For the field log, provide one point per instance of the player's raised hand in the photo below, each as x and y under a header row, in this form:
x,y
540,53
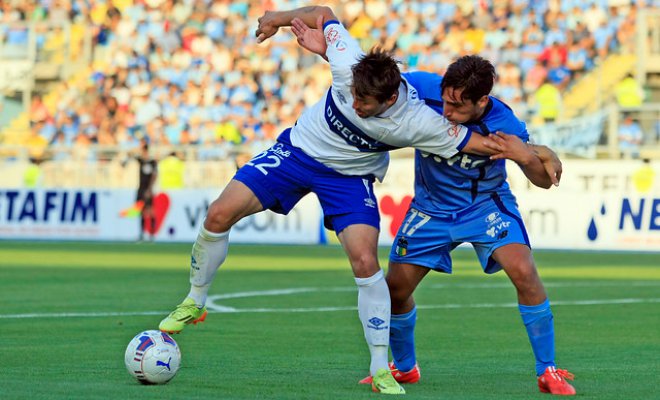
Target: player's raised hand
x,y
309,38
267,26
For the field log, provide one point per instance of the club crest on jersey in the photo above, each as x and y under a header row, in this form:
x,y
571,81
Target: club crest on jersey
x,y
453,131
402,247
331,36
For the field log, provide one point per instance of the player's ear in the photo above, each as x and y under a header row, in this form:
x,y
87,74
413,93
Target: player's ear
x,y
483,101
390,102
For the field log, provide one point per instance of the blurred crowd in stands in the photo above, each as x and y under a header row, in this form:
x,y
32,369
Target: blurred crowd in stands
x,y
177,72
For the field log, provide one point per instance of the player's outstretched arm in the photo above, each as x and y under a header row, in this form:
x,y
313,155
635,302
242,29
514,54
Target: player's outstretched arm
x,y
481,145
271,21
539,167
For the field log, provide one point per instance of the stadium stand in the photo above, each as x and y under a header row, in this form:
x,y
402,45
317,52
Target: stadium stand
x,y
187,74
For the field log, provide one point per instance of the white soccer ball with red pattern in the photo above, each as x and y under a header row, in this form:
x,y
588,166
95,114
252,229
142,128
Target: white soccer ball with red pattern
x,y
152,357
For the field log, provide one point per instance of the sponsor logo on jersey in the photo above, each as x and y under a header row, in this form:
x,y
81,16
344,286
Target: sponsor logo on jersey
x,y
352,135
340,45
496,226
278,149
460,160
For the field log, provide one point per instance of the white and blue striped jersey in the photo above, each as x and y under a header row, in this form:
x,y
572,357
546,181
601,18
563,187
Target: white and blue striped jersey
x,y
331,132
450,184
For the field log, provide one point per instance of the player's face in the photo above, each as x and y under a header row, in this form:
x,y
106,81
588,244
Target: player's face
x,y
459,111
369,106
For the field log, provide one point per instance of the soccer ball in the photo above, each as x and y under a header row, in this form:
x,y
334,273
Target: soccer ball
x,y
152,357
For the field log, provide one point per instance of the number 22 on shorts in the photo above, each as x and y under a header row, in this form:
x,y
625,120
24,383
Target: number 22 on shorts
x,y
265,161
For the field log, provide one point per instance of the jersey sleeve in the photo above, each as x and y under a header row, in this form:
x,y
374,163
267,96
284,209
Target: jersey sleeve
x,y
343,52
436,135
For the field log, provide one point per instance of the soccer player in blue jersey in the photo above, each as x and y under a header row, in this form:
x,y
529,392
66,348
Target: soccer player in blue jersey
x,y
465,198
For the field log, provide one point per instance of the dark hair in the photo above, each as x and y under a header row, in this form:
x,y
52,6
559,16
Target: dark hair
x,y
377,75
474,74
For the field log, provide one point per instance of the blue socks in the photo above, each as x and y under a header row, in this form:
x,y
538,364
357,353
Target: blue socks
x,y
402,340
538,321
541,332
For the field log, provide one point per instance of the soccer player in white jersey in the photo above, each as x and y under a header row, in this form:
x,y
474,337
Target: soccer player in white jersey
x,y
337,148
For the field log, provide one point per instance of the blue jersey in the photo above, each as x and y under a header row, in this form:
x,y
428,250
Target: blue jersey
x,y
448,185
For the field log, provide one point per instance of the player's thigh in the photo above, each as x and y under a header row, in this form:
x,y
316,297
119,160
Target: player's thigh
x,y
423,240
235,202
515,258
360,242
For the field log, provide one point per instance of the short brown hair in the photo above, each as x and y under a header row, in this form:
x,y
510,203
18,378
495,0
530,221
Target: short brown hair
x,y
474,74
377,75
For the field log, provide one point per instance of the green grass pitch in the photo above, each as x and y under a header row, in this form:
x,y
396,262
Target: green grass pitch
x,y
290,329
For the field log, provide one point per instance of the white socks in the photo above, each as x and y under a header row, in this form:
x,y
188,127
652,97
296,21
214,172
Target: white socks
x,y
374,308
208,253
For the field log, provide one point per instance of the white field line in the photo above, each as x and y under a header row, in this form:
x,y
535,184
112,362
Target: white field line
x,y
217,308
500,285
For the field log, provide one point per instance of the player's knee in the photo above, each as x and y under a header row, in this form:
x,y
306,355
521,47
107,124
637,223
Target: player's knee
x,y
527,281
398,295
364,265
218,218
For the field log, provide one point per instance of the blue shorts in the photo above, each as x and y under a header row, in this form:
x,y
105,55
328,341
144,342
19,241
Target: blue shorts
x,y
283,174
427,240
